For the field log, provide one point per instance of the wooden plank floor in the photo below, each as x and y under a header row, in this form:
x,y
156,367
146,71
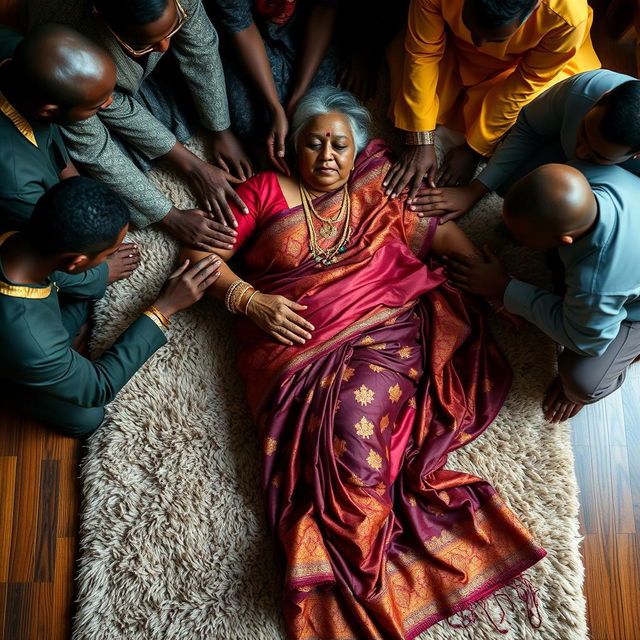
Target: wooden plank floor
x,y
606,442
39,502
39,495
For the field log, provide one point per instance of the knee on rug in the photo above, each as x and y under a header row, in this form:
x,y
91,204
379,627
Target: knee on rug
x,y
585,389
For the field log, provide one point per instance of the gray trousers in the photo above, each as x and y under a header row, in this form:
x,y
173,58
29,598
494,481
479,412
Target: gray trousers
x,y
587,379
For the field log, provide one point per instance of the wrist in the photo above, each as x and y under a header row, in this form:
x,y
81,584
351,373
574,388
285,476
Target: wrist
x,y
162,308
419,138
477,189
243,298
237,296
275,107
167,222
246,304
182,160
222,133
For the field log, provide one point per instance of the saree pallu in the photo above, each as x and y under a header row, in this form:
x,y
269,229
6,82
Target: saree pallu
x,y
379,541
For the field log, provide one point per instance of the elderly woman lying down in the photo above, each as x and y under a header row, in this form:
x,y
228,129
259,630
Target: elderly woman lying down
x,y
364,368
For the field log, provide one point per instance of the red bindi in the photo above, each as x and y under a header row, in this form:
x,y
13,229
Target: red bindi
x,y
327,133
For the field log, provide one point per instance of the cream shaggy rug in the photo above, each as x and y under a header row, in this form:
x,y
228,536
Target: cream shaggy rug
x,y
173,540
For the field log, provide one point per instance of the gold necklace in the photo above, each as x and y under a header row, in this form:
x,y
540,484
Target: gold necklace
x,y
327,227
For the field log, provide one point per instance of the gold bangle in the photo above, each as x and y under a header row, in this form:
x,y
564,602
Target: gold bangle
x,y
246,306
246,291
232,287
237,296
165,321
154,318
415,138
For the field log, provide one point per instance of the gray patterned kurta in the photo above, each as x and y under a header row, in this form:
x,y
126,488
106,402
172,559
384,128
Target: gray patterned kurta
x,y
90,144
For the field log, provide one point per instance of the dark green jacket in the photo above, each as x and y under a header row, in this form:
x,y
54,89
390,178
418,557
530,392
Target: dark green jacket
x,y
32,154
35,349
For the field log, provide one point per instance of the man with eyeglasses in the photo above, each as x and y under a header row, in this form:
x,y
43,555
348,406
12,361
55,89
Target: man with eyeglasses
x,y
470,66
152,124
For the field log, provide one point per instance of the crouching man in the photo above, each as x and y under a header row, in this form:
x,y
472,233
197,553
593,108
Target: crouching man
x,y
49,274
589,214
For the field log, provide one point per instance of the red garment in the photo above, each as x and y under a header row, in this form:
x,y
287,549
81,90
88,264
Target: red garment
x,y
276,11
379,540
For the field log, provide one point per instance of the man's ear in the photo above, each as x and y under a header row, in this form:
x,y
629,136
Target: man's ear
x,y
565,239
76,263
48,111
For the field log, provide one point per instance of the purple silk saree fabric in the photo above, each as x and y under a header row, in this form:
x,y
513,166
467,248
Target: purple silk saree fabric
x,y
378,539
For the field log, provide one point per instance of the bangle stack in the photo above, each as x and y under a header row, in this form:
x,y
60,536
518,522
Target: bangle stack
x,y
246,306
235,293
158,317
415,138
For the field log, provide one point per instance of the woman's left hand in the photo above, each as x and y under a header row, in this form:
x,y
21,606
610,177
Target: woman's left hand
x,y
276,315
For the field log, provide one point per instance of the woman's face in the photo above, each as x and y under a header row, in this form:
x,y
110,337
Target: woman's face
x,y
326,152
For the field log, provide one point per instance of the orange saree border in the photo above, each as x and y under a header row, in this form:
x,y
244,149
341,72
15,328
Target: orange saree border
x,y
411,586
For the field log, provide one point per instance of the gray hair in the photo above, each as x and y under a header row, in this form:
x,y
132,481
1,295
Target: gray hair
x,y
322,100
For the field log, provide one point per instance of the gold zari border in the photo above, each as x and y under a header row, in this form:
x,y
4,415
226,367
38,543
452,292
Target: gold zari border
x,y
19,121
21,291
33,293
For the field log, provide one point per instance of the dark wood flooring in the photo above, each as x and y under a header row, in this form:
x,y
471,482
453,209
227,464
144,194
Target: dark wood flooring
x,y
39,493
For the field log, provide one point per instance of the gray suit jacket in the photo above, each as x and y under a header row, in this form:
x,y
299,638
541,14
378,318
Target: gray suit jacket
x,y
89,142
547,128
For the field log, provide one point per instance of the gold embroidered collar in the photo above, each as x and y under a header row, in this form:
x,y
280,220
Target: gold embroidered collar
x,y
21,291
19,121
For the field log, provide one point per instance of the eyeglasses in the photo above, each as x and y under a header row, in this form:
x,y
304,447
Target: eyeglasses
x,y
182,18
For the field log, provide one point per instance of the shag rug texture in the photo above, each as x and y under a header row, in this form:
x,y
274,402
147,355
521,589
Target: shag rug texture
x,y
173,538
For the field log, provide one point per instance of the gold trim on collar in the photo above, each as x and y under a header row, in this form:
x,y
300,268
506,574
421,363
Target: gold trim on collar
x,y
19,121
6,236
21,291
33,293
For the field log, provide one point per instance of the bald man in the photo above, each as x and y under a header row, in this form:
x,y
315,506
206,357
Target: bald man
x,y
589,213
54,76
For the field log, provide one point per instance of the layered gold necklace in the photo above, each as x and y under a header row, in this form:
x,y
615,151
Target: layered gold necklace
x,y
329,227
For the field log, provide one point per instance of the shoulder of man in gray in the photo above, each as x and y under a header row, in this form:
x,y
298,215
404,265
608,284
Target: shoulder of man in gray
x,y
196,48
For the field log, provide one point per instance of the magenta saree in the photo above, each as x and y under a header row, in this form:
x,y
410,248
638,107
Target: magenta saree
x,y
378,539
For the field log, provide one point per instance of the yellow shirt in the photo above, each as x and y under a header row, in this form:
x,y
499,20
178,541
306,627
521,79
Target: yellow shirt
x,y
552,44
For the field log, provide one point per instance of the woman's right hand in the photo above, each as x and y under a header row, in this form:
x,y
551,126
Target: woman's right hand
x,y
276,315
185,286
